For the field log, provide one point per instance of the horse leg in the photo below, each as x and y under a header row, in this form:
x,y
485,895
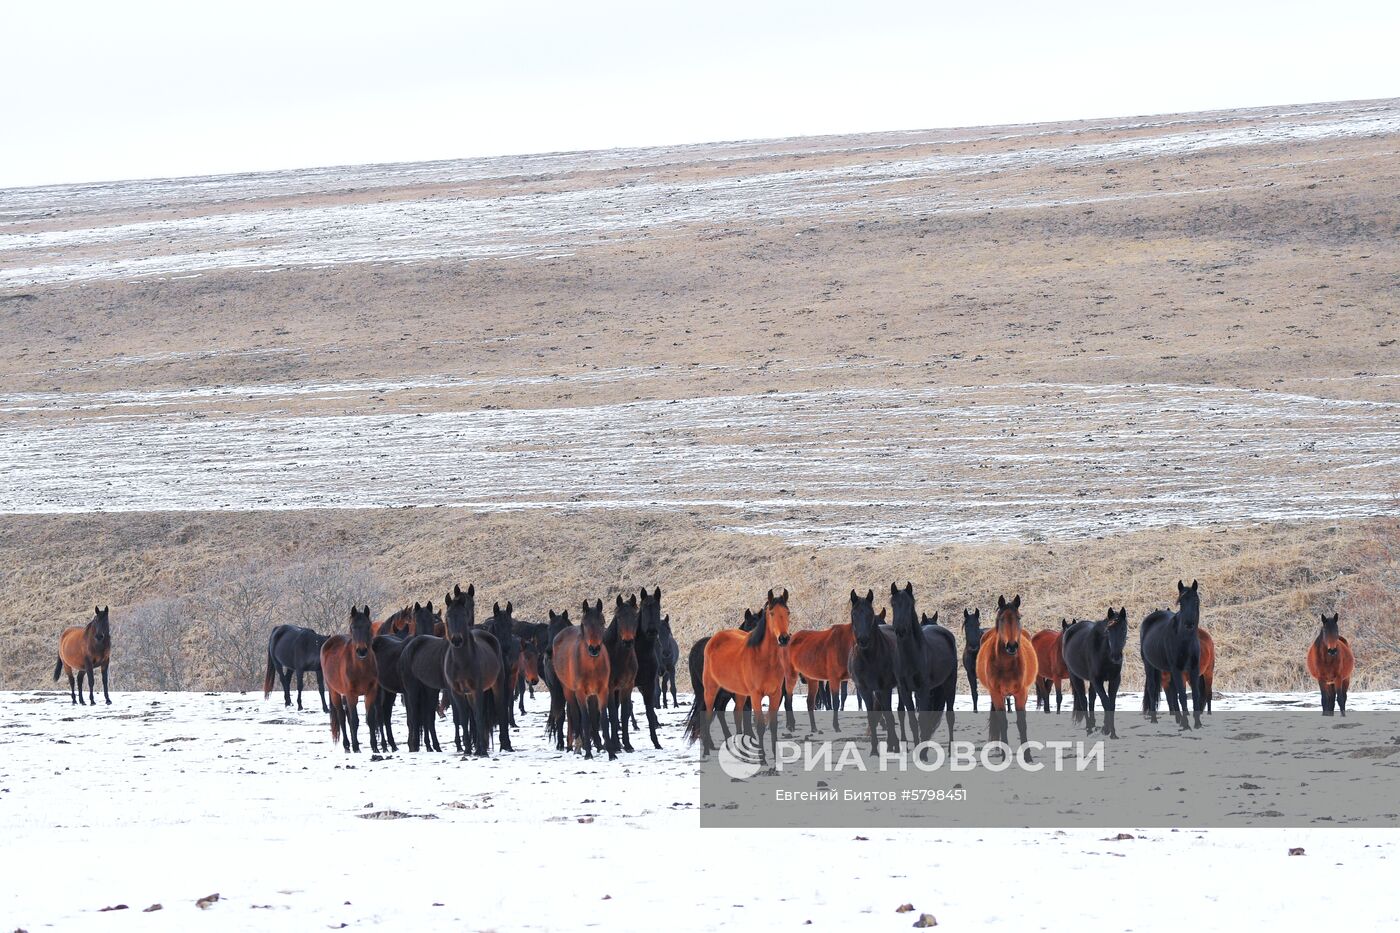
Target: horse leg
x,y
1090,687
628,716
675,700
1197,701
787,705
352,715
284,674
1176,702
598,705
106,696
92,700
1342,695
836,707
972,683
321,689
386,717
81,701
1021,723
1150,687
1109,697
1059,697
476,704
286,690
72,693
1322,685
773,723
813,696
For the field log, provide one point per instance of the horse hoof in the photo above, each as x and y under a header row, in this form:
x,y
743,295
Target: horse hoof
x,y
109,703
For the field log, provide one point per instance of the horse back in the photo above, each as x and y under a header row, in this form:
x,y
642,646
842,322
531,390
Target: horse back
x,y
943,652
732,665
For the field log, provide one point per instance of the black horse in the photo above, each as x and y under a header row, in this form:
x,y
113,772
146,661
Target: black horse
x,y
423,679
620,642
670,655
648,650
972,640
387,650
502,625
554,723
475,674
1170,645
1093,653
874,666
927,666
293,649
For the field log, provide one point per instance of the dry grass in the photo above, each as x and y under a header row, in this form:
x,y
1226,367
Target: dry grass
x,y
1262,587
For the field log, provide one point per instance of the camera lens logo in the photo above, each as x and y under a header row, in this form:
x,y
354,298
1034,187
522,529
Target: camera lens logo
x,y
739,757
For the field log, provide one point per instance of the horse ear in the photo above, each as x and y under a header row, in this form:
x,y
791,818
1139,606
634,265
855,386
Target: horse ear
x,y
430,605
770,596
870,596
854,597
935,617
632,600
619,600
1194,586
471,591
784,599
509,607
1001,602
657,594
1180,587
908,587
894,588
1016,603
748,616
881,613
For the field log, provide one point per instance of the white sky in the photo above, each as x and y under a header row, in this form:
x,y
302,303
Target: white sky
x,y
140,88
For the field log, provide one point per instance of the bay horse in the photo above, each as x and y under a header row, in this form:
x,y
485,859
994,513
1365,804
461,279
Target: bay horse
x,y
752,666
351,672
1051,664
502,625
874,666
926,665
1170,646
582,665
647,648
293,649
388,649
823,656
1207,680
1007,666
669,655
397,624
475,673
697,677
84,648
531,636
1092,652
619,640
972,640
1330,662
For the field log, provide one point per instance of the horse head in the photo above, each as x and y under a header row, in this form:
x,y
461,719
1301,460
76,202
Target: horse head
x,y
557,623
928,619
902,602
501,619
649,613
625,617
1189,599
972,626
775,611
591,628
424,618
461,614
1008,625
1117,634
361,631
864,619
1330,636
101,625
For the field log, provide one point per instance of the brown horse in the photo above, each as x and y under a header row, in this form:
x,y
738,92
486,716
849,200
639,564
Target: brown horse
x,y
1006,666
1330,662
83,648
821,656
584,672
1207,681
352,671
400,623
1051,664
753,666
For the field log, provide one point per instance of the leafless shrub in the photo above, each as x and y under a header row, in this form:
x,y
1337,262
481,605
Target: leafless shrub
x,y
318,594
153,646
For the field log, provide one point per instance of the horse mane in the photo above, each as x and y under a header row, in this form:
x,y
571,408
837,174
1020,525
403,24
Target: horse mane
x,y
760,631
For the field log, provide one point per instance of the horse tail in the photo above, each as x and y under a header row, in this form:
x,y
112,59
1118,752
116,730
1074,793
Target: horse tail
x,y
335,718
695,722
268,680
58,668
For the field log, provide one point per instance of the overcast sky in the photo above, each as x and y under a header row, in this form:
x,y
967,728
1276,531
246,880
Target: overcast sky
x,y
138,88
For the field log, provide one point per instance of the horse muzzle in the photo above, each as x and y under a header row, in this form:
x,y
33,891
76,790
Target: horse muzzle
x,y
1012,647
1331,652
594,650
361,653
457,641
784,639
862,643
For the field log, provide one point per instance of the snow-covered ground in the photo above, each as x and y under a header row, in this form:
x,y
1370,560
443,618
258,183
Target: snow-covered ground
x,y
168,798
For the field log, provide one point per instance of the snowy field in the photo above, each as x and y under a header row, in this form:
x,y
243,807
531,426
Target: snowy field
x,y
169,798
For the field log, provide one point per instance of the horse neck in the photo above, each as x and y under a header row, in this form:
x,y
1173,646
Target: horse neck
x,y
758,638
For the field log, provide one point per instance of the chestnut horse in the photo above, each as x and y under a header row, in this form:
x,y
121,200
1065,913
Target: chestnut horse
x,y
351,672
752,666
397,624
83,648
1207,678
822,656
1006,667
1330,662
1051,662
584,673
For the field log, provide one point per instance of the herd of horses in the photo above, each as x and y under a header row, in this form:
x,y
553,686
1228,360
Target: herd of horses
x,y
899,661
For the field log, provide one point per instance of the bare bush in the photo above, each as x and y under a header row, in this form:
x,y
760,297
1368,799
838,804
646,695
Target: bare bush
x,y
153,646
318,594
236,613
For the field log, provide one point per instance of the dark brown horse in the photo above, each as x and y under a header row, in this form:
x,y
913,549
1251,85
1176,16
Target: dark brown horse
x,y
619,639
388,648
351,672
397,624
1006,667
1330,662
1051,664
475,675
585,674
84,648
